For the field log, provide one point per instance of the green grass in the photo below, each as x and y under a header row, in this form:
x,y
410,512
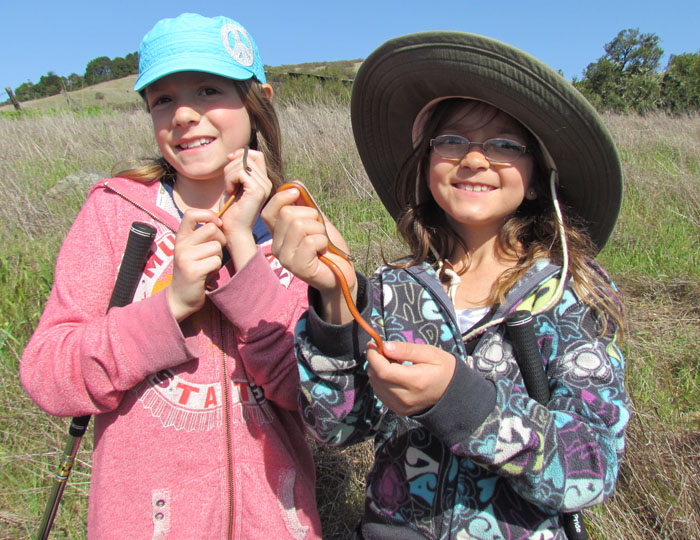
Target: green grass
x,y
653,256
661,207
667,251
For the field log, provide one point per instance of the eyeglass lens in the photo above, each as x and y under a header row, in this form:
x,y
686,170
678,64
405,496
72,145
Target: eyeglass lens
x,y
496,150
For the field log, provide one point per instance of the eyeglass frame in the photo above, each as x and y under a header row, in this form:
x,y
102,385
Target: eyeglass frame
x,y
524,149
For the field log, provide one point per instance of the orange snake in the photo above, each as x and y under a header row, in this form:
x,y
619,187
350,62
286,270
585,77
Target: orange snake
x,y
308,201
232,197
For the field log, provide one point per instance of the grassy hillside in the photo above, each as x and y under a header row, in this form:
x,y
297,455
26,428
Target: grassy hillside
x,y
653,256
111,94
119,93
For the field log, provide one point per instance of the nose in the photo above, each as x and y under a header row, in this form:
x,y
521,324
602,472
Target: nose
x,y
185,114
475,158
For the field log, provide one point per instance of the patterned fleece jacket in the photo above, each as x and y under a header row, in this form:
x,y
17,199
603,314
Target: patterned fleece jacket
x,y
197,429
486,461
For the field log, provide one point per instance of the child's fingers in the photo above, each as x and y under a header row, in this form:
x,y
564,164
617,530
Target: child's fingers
x,y
194,218
298,242
247,189
299,237
198,249
198,253
193,233
199,238
289,224
409,365
270,213
305,199
415,353
377,364
246,165
412,387
382,366
202,251
251,180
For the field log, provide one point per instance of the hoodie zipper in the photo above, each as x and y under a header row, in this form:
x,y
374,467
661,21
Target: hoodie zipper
x,y
225,383
227,423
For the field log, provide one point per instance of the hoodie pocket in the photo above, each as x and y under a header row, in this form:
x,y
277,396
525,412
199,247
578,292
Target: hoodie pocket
x,y
266,503
192,509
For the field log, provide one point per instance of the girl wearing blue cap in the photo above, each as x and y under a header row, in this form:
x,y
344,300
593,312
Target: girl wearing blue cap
x,y
194,384
471,145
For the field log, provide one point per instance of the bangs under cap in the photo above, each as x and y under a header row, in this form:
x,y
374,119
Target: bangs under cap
x,y
396,82
191,42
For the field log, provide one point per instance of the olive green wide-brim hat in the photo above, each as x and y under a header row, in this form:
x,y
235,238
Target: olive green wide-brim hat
x,y
396,82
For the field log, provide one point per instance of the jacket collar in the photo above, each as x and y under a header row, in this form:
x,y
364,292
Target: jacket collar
x,y
142,195
541,271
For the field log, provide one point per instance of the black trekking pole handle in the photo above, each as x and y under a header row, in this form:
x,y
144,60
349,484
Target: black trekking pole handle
x,y
135,254
521,330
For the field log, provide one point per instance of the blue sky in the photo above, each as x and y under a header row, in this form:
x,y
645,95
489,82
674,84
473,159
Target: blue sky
x,y
39,36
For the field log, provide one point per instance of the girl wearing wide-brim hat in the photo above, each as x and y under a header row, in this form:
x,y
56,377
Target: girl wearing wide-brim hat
x,y
473,146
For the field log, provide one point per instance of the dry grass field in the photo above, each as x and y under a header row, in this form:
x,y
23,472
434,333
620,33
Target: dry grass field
x,y
654,256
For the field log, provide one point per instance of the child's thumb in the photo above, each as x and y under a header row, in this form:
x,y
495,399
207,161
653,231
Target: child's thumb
x,y
396,351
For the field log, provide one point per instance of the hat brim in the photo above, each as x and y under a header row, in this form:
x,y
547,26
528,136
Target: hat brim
x,y
398,79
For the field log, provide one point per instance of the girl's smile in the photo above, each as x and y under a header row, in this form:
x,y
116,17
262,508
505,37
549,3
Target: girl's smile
x,y
474,188
194,144
472,191
199,119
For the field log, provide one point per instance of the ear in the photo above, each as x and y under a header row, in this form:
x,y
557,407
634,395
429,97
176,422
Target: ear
x,y
268,91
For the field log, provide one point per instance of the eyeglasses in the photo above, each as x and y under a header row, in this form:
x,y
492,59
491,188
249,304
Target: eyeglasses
x,y
500,151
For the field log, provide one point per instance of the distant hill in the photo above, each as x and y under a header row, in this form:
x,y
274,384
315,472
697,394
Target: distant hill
x,y
344,69
119,93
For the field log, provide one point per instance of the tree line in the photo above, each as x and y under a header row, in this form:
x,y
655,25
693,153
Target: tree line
x,y
98,70
626,79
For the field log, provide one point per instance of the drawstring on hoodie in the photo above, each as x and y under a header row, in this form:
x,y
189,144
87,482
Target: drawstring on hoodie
x,y
449,277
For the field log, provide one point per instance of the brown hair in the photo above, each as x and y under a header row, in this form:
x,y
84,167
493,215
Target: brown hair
x,y
529,234
265,137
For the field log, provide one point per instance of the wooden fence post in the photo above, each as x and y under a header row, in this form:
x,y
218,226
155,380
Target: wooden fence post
x,y
13,99
71,103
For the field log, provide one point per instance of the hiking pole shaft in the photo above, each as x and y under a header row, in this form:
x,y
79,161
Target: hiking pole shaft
x,y
521,329
135,254
75,433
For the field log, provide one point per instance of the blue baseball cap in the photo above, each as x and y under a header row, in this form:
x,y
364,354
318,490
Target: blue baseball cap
x,y
191,42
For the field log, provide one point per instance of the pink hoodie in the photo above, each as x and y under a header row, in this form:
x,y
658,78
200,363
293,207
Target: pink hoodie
x,y
197,431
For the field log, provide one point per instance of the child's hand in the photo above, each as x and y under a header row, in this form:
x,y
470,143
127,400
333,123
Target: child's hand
x,y
197,254
249,185
298,239
409,389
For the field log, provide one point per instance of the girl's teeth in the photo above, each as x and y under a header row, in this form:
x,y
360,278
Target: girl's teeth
x,y
195,144
469,187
